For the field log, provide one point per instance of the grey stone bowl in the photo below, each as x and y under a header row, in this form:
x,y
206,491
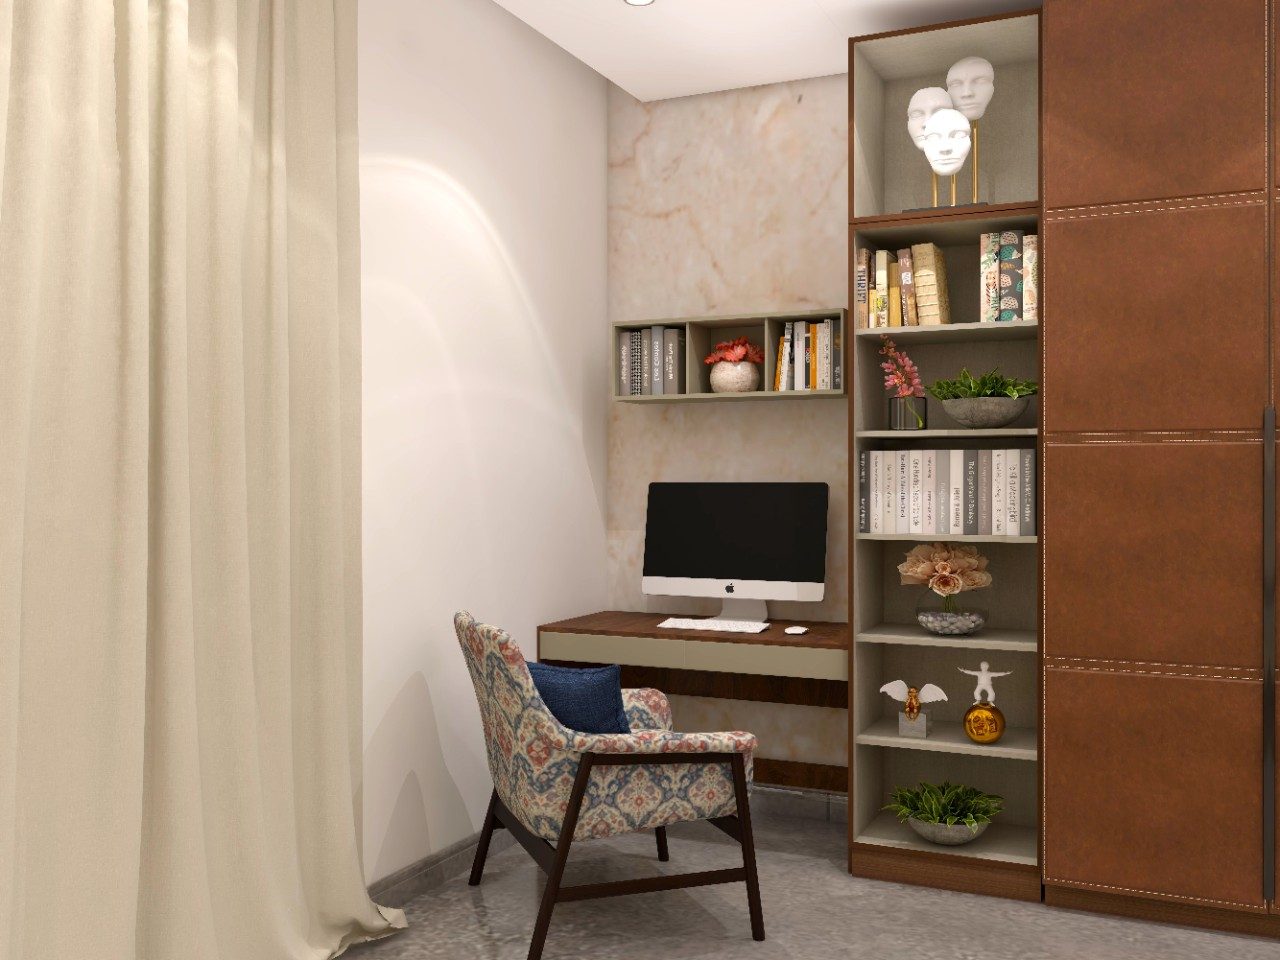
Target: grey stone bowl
x,y
951,835
986,412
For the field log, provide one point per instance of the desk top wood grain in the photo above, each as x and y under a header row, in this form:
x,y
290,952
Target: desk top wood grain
x,y
620,623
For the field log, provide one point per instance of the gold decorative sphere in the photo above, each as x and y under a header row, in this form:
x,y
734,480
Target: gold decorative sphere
x,y
984,723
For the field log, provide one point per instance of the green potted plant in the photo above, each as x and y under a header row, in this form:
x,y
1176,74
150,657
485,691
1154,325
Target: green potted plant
x,y
984,402
946,813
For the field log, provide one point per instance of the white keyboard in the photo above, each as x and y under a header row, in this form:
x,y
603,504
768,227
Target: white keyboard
x,y
727,626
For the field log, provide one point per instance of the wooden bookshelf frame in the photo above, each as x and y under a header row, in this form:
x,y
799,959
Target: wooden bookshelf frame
x,y
1005,861
701,335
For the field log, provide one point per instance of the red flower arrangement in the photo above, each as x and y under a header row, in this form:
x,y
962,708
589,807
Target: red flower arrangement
x,y
735,351
901,377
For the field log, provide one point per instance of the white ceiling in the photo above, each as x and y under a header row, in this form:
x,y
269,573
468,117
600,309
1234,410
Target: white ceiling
x,y
674,48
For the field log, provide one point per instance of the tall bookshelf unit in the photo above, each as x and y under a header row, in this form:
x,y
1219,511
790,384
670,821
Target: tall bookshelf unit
x,y
890,182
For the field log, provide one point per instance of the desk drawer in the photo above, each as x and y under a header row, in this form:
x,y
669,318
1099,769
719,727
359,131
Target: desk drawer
x,y
678,653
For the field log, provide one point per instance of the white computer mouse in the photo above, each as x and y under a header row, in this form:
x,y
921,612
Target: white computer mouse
x,y
796,630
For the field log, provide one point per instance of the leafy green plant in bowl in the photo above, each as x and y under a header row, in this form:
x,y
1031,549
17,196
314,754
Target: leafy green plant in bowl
x,y
946,813
991,400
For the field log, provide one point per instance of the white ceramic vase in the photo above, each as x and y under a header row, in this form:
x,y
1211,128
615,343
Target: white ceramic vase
x,y
740,377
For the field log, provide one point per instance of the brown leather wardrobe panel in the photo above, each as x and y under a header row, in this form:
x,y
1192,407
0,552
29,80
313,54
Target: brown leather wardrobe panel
x,y
1147,99
1138,309
1152,552
1151,785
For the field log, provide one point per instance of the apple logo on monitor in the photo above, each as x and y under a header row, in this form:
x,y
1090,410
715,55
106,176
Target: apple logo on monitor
x,y
728,588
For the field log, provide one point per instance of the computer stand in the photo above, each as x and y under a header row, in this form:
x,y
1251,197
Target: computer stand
x,y
741,608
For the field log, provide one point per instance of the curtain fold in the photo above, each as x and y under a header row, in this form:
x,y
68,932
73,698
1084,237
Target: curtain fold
x,y
180,592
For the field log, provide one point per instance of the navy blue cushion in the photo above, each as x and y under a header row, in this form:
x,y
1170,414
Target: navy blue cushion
x,y
586,699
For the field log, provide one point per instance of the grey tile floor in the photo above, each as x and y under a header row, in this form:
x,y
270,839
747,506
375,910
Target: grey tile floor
x,y
813,911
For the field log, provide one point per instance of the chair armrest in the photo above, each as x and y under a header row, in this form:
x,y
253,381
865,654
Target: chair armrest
x,y
647,709
663,741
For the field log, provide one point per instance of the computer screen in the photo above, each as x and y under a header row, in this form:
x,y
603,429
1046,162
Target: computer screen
x,y
744,533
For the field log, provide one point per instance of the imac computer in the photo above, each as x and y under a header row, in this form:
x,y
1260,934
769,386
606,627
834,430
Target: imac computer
x,y
742,542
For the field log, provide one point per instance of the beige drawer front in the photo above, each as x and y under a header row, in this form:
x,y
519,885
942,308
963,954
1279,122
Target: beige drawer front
x,y
680,654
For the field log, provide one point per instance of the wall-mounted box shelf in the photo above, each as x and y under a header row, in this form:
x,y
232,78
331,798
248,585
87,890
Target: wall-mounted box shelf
x,y
764,330
1014,641
908,435
950,538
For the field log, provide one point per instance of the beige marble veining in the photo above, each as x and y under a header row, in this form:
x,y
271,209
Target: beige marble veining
x,y
728,202
731,202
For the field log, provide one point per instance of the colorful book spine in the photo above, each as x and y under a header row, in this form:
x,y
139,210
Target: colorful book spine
x,y
673,361
881,299
909,316
861,288
989,279
895,294
777,366
1010,275
787,379
824,355
1031,278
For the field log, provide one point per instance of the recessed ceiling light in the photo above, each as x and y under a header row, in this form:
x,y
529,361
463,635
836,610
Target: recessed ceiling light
x,y
638,3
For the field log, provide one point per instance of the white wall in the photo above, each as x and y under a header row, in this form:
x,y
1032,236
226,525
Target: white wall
x,y
483,193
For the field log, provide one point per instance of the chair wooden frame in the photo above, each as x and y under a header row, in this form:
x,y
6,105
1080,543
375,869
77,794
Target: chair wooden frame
x,y
552,859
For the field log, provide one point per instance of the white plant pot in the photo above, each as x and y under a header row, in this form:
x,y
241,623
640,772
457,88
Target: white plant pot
x,y
740,377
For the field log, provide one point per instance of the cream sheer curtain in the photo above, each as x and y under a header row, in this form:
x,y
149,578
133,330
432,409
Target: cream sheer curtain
x,y
180,596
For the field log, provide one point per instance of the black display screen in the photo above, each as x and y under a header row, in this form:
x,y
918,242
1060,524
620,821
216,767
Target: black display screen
x,y
737,531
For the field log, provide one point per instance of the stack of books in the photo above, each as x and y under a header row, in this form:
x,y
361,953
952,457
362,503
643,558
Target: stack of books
x,y
904,288
1009,262
651,362
939,493
809,356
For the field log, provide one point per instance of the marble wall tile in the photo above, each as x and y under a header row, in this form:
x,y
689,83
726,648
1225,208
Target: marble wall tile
x,y
722,203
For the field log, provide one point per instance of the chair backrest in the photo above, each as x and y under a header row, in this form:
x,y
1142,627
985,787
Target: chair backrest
x,y
516,721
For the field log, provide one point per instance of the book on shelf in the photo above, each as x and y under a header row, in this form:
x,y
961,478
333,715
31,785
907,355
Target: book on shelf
x,y
655,358
984,483
1010,275
785,376
623,386
908,289
929,277
1030,278
861,291
800,362
880,297
837,356
895,294
938,493
673,360
646,361
989,277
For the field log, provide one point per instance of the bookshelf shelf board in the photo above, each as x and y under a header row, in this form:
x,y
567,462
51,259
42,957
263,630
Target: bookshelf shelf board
x,y
753,395
1006,842
949,737
952,333
952,537
945,226
944,434
1023,641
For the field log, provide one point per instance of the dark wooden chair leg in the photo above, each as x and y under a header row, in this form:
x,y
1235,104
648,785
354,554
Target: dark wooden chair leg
x,y
552,890
748,846
663,854
482,848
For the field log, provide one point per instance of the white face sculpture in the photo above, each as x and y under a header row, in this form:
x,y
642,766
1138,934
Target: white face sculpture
x,y
924,104
946,141
971,82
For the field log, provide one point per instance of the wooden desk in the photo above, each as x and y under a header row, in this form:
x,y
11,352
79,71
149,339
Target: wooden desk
x,y
811,669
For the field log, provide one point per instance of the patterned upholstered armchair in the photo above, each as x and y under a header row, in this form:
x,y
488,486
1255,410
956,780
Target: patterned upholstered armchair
x,y
553,786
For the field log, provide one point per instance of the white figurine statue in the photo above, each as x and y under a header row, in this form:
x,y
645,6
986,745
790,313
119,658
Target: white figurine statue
x,y
985,676
946,141
971,83
924,104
